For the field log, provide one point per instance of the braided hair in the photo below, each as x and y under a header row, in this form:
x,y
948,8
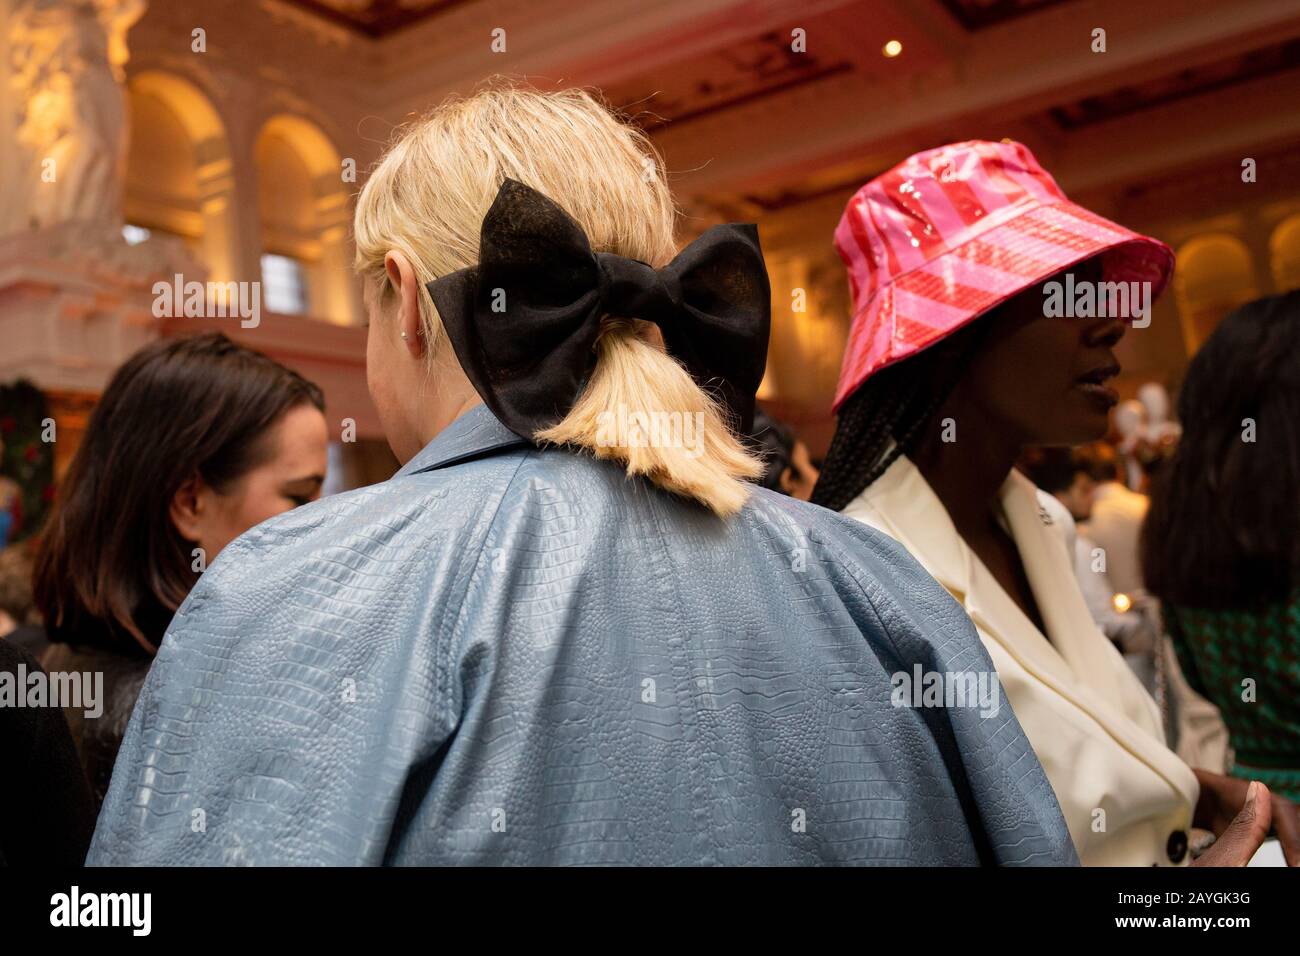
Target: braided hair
x,y
889,414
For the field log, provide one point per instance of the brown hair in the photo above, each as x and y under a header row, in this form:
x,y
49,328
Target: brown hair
x,y
110,561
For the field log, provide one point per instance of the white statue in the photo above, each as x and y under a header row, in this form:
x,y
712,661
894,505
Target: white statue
x,y
1161,433
1155,399
72,124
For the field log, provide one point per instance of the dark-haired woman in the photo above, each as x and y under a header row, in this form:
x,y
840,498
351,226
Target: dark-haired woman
x,y
1221,546
983,326
193,442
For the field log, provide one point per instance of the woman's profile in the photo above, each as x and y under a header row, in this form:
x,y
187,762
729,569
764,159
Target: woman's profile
x,y
964,353
193,442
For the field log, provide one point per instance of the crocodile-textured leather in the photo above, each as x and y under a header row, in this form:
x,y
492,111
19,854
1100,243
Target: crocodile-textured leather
x,y
506,655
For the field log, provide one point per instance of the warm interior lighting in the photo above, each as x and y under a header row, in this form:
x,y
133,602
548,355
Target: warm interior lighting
x,y
1122,602
892,48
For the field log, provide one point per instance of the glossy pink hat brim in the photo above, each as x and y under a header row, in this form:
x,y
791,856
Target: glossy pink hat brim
x,y
1017,248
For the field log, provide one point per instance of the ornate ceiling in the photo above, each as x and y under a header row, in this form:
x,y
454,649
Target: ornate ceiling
x,y
1180,84
951,48
977,14
376,18
753,68
381,17
749,120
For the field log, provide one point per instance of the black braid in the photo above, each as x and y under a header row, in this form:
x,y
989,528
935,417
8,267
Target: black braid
x,y
888,415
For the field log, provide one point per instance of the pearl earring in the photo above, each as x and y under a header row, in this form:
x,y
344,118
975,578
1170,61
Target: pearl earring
x,y
403,335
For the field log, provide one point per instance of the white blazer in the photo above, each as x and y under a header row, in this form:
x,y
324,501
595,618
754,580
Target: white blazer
x,y
1127,799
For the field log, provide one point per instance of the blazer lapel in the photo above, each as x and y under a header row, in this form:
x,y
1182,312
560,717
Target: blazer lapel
x,y
1077,664
913,514
1051,572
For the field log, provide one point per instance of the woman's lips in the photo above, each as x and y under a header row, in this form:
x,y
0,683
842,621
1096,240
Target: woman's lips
x,y
1093,384
1101,394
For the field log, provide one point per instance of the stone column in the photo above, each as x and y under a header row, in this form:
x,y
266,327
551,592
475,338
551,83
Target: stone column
x,y
335,295
241,227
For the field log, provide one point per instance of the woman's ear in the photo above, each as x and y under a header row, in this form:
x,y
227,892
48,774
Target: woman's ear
x,y
186,509
402,276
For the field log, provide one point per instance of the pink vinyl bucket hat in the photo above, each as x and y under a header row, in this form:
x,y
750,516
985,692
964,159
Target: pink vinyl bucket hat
x,y
949,233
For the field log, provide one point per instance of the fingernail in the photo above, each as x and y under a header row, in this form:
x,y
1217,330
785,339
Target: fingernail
x,y
1252,792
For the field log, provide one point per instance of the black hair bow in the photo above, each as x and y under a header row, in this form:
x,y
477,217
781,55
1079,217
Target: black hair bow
x,y
524,321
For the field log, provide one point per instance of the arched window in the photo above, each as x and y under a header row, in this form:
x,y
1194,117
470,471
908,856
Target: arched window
x,y
1284,251
178,173
1214,276
303,212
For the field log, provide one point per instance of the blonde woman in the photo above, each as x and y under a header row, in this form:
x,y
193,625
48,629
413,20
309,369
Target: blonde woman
x,y
568,631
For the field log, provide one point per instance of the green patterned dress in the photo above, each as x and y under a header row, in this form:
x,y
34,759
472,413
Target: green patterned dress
x,y
1247,663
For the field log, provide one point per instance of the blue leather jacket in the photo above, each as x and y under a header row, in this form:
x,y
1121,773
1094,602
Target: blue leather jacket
x,y
522,656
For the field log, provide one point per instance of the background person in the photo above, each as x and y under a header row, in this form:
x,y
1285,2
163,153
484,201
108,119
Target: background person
x,y
1115,520
20,622
194,441
46,811
1221,546
787,465
10,503
953,369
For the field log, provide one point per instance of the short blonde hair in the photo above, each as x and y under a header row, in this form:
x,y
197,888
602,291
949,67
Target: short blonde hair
x,y
427,198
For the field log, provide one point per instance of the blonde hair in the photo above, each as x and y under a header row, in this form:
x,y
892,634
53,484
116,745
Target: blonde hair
x,y
427,198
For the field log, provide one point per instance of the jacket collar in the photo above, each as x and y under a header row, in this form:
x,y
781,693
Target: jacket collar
x,y
1053,577
474,434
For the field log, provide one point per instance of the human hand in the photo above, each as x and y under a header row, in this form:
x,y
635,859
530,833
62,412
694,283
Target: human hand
x,y
1224,804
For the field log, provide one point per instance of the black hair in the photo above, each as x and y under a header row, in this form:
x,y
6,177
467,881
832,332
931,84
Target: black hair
x,y
774,441
889,414
1224,526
